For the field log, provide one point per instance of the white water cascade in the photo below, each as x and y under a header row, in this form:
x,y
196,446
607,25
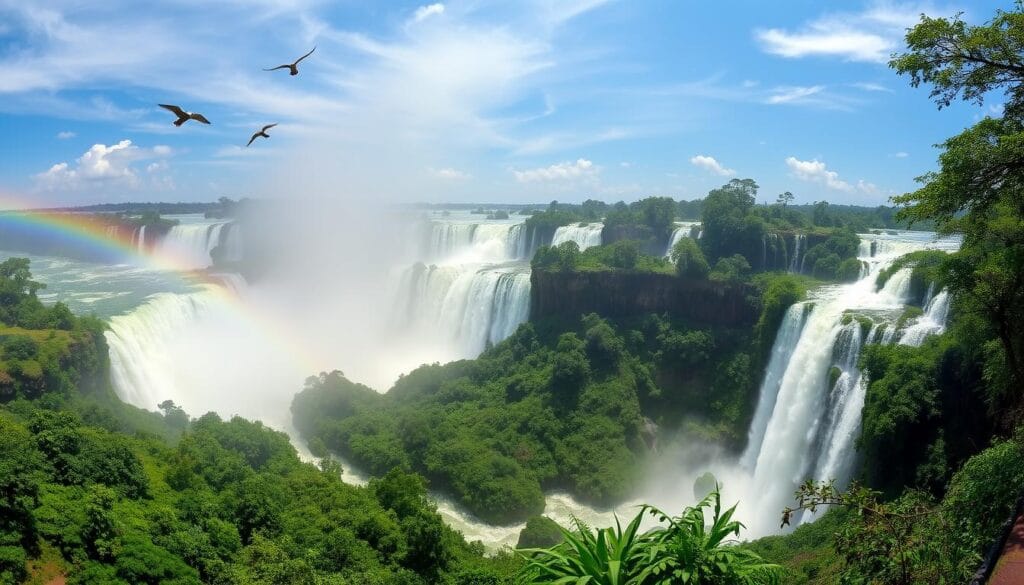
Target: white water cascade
x,y
467,306
191,244
799,245
478,242
812,393
585,236
683,229
469,287
933,322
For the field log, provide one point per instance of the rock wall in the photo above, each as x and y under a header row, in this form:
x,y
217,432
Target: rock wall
x,y
621,294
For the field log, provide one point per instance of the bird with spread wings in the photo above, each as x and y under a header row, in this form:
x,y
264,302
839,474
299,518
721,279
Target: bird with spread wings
x,y
184,116
293,68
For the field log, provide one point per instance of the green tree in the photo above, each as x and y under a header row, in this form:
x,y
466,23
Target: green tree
x,y
730,224
976,192
732,269
689,259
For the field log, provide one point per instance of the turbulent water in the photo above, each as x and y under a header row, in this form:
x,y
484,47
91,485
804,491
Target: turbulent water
x,y
585,235
468,285
192,242
814,414
682,229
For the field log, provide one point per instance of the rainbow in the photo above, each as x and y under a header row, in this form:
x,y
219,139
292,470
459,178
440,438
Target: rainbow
x,y
110,239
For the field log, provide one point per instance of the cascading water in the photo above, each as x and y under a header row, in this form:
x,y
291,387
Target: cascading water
x,y
139,362
811,400
585,236
231,242
468,306
475,290
933,322
799,243
683,229
782,350
142,240
191,244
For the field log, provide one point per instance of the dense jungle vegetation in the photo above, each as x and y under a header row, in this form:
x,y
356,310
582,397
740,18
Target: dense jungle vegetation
x,y
100,492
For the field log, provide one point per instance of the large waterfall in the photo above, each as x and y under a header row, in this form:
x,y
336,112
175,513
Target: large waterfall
x,y
469,286
682,229
585,235
191,244
812,393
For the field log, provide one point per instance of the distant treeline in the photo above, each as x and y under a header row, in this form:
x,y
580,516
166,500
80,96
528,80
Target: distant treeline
x,y
138,208
819,213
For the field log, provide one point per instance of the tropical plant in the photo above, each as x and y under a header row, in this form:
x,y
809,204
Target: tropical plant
x,y
692,551
683,550
609,556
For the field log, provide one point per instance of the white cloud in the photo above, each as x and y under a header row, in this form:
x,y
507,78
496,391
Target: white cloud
x,y
795,94
870,35
709,163
828,41
424,12
866,187
103,165
868,86
449,173
815,171
66,134
901,154
558,172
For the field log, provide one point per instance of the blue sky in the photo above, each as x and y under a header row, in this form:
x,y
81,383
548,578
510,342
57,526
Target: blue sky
x,y
496,101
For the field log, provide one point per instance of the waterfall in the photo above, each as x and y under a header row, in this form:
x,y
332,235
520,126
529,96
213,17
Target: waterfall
x,y
585,236
683,229
796,262
785,342
933,322
478,242
897,288
928,294
466,306
140,359
231,242
812,395
142,240
191,244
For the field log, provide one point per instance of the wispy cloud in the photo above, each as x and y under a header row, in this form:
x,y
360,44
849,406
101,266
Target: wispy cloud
x,y
901,154
708,163
870,35
558,172
717,88
449,174
796,94
868,86
65,134
815,171
424,12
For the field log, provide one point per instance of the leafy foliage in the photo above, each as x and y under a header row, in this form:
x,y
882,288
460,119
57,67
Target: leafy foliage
x,y
557,405
688,549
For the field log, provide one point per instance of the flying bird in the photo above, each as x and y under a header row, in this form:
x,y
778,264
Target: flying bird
x,y
293,68
184,116
262,132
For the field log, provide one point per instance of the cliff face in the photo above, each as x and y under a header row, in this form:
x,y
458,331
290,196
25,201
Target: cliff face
x,y
650,242
620,294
